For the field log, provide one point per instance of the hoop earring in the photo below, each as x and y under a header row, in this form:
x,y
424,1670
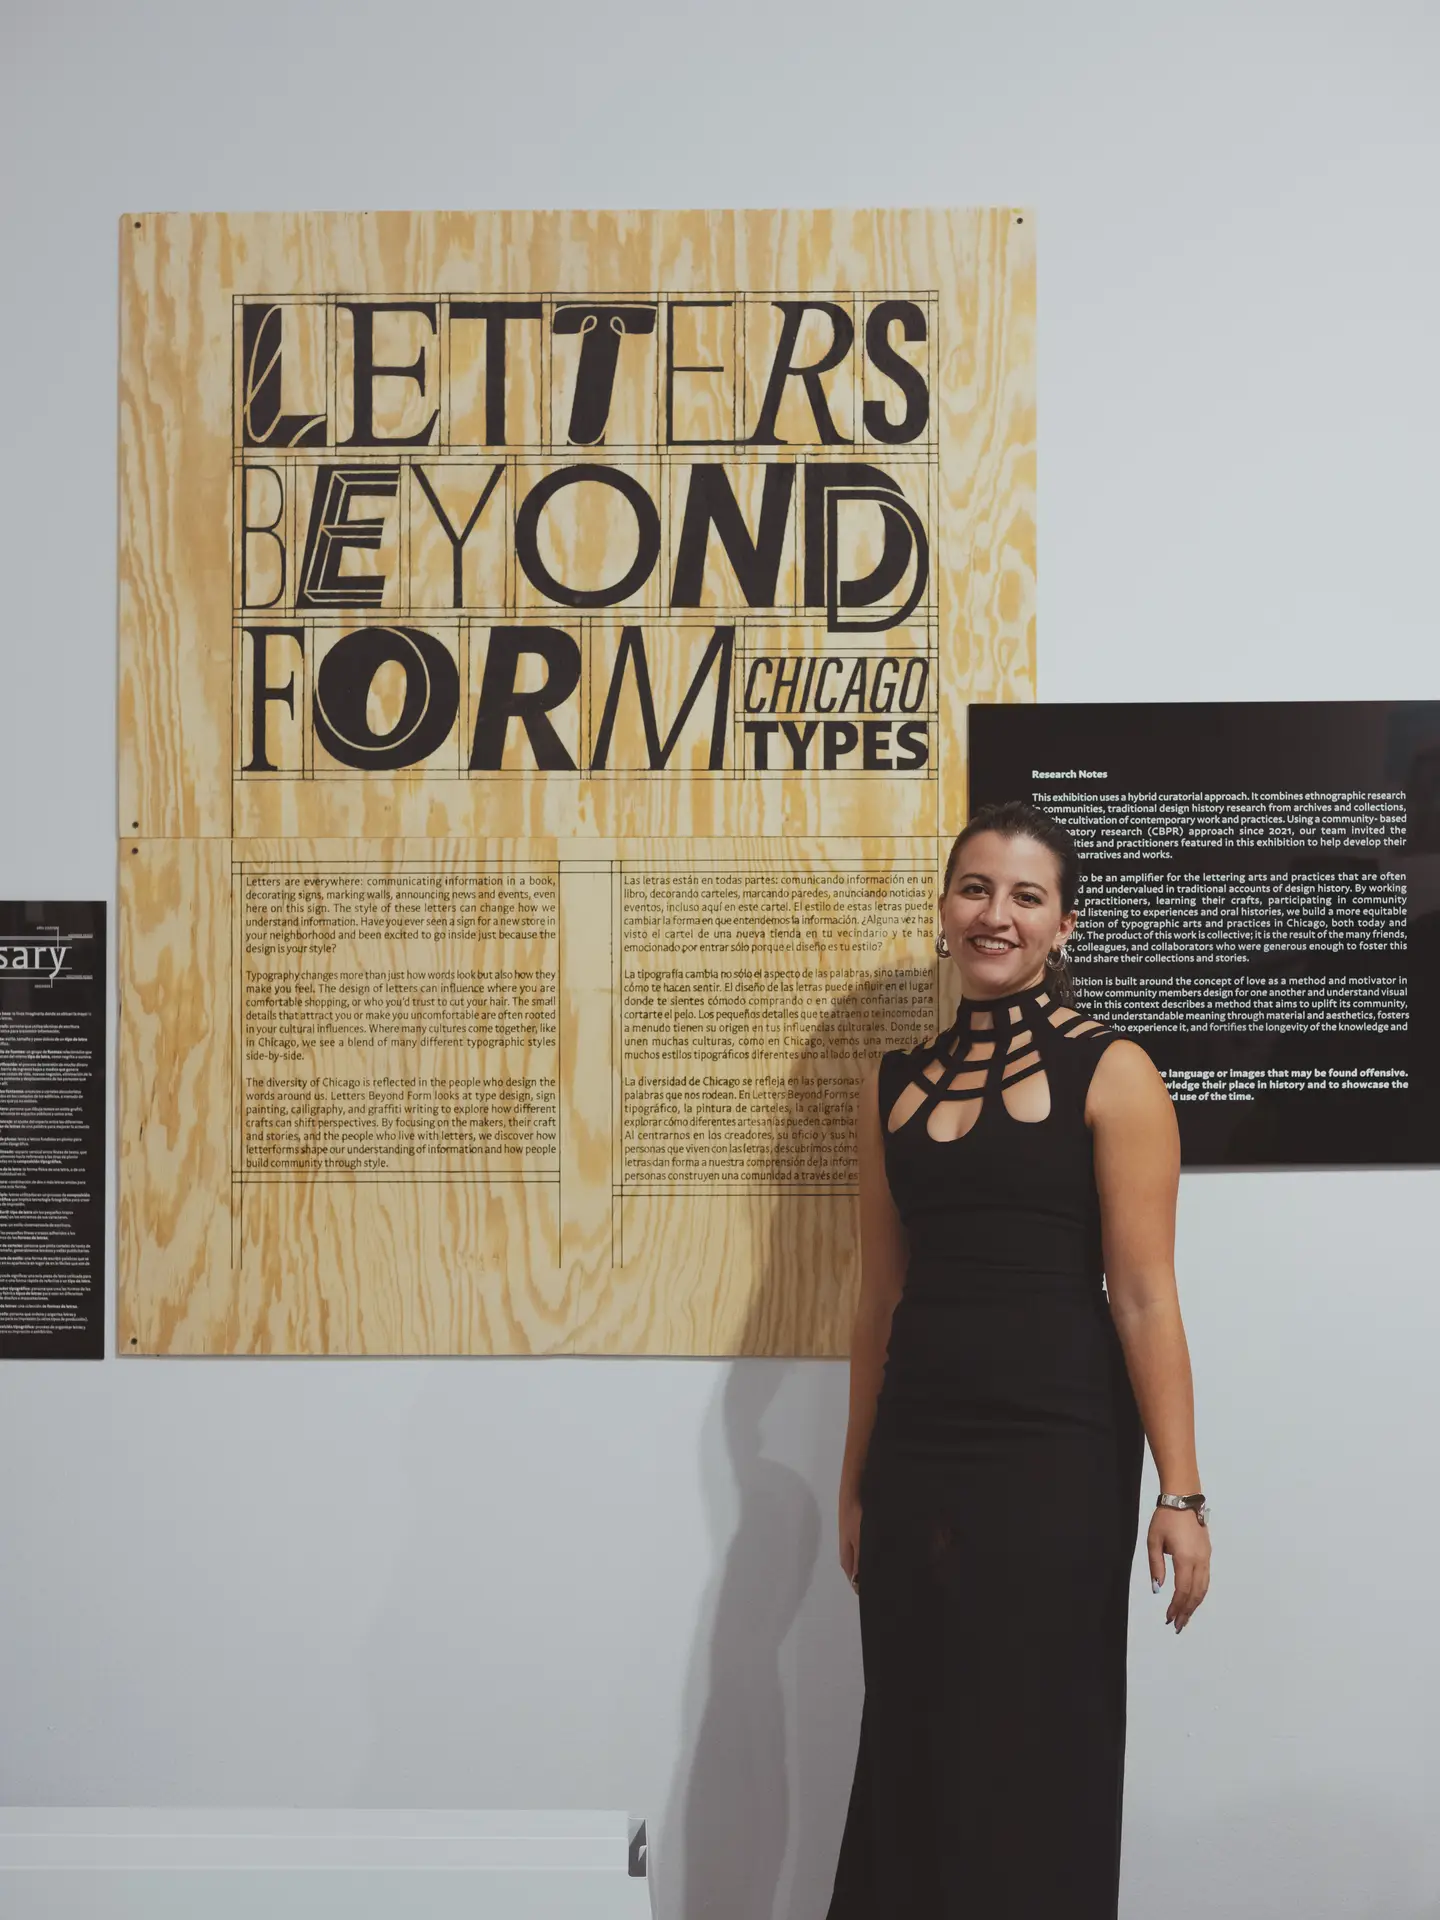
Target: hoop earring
x,y
1058,956
942,945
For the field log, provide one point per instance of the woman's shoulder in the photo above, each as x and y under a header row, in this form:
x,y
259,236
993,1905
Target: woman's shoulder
x,y
1106,1056
1122,1077
897,1062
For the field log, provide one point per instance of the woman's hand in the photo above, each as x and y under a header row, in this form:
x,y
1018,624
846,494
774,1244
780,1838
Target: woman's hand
x,y
1179,1533
850,1538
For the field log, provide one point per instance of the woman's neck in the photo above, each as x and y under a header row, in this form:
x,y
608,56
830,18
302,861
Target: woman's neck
x,y
1005,999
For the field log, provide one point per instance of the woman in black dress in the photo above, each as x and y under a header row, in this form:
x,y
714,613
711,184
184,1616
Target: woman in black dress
x,y
1018,1338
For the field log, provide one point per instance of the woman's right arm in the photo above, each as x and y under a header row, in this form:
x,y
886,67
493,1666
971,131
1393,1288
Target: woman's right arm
x,y
882,1275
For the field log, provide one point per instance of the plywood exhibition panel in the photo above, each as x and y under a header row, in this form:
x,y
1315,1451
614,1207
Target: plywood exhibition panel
x,y
545,647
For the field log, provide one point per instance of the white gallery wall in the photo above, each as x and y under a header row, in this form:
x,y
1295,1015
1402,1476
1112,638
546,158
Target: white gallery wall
x,y
612,1582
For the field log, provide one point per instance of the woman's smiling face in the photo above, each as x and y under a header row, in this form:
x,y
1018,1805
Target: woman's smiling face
x,y
1001,913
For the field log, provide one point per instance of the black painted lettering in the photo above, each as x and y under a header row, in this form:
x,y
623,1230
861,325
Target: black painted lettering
x,y
710,503
366,373
719,654
497,314
782,369
262,692
601,329
266,530
321,583
647,536
457,540
342,698
911,382
262,365
501,699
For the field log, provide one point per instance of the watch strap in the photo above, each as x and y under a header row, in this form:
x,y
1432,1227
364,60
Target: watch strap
x,y
1195,1503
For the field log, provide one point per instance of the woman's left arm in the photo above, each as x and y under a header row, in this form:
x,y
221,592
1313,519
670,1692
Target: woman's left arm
x,y
1137,1174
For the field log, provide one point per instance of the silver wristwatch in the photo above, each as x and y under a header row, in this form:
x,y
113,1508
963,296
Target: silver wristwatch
x,y
1195,1502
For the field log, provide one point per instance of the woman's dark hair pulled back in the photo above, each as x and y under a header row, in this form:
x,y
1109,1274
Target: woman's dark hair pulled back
x,y
1015,818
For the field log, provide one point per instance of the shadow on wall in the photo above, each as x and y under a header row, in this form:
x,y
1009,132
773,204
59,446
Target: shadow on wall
x,y
772,1703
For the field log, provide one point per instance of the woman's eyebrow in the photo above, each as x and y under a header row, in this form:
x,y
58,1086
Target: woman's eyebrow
x,y
971,873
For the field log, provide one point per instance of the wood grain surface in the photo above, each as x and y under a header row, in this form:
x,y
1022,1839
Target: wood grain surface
x,y
470,1054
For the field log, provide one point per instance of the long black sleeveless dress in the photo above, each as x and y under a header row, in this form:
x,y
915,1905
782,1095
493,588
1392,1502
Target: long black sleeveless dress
x,y
1000,1497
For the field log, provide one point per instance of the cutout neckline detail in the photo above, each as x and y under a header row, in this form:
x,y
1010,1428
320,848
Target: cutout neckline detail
x,y
1023,998
948,1079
